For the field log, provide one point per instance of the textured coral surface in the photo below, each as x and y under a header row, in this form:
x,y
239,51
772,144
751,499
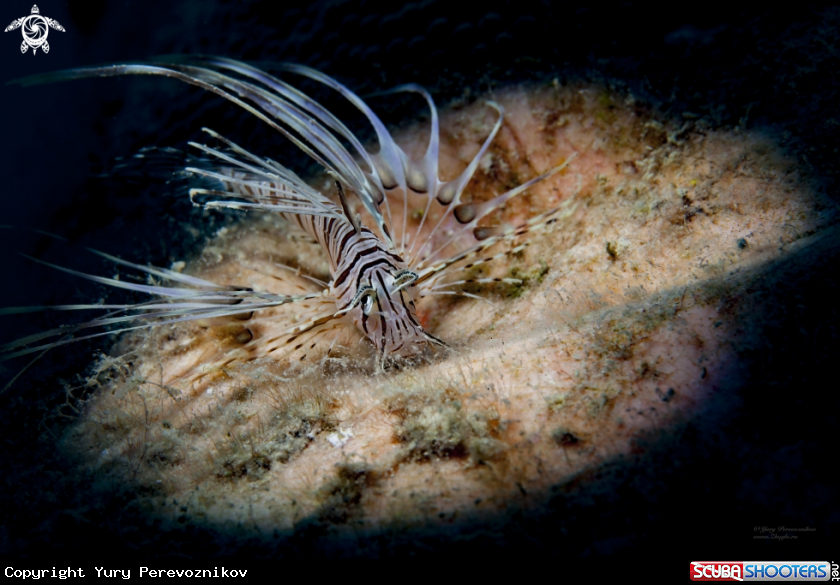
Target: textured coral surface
x,y
627,328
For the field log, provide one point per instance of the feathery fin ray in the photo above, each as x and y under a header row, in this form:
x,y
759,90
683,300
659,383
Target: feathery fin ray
x,y
252,182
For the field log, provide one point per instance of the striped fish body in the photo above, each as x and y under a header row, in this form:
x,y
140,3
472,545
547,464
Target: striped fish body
x,y
376,273
391,323
363,271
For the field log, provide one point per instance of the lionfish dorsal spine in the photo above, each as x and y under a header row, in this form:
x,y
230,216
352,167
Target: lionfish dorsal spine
x,y
373,272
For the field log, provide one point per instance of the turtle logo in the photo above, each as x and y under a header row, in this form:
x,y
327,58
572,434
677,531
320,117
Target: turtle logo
x,y
35,29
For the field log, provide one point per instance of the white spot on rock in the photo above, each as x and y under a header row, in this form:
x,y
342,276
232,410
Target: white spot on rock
x,y
340,437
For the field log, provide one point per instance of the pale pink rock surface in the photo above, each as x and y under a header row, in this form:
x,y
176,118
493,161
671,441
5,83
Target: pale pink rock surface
x,y
621,332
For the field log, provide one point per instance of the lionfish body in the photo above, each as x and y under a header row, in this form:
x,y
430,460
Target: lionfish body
x,y
391,320
377,272
364,284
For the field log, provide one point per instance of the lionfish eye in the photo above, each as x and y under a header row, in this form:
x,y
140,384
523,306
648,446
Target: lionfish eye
x,y
403,278
367,302
365,296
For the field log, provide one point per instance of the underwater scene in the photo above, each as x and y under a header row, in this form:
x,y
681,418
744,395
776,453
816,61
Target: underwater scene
x,y
369,279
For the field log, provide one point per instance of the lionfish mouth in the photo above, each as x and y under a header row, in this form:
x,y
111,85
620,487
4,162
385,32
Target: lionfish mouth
x,y
602,307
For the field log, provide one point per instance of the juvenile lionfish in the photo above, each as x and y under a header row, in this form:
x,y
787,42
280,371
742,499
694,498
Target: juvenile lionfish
x,y
377,272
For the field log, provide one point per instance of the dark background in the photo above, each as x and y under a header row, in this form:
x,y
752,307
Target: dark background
x,y
767,462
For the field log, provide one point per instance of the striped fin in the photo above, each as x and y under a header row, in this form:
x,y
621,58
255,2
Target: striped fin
x,y
265,185
471,213
427,277
201,299
316,131
278,346
298,118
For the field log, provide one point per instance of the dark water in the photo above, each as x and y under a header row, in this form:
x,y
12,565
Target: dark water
x,y
775,71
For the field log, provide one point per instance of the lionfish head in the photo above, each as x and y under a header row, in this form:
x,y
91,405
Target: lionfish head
x,y
385,312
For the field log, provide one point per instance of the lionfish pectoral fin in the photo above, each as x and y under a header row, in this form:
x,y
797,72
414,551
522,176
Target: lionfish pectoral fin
x,y
170,305
263,185
420,176
300,119
346,208
435,340
470,214
449,193
432,274
289,340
